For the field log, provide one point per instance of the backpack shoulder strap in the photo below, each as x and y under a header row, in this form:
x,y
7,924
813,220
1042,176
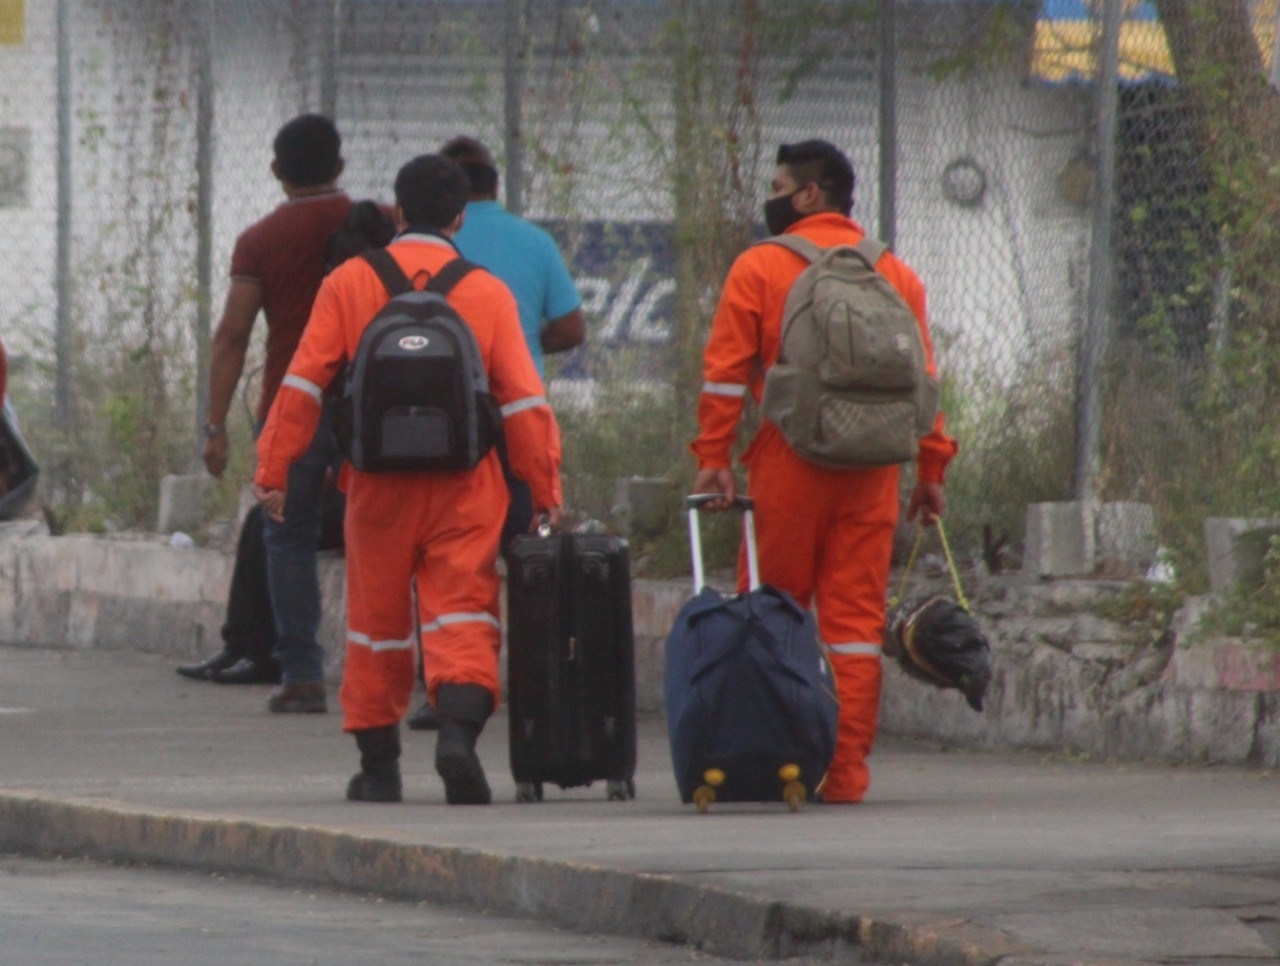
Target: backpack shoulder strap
x,y
443,281
389,271
806,249
870,249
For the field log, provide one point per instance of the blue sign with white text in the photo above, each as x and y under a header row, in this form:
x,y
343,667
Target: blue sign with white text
x,y
625,272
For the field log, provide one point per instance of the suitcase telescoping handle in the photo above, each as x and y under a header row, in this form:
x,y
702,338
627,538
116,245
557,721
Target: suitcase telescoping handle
x,y
744,503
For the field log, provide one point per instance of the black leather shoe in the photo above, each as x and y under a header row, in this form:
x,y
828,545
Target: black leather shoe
x,y
424,719
204,670
246,671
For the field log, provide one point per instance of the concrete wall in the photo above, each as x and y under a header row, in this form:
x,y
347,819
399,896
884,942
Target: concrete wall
x,y
1067,677
83,591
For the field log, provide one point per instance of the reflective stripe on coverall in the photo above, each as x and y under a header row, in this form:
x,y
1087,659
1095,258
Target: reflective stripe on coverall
x,y
436,531
824,535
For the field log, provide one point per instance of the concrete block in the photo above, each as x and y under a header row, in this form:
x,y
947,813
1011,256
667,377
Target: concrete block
x,y
1061,539
1126,538
642,506
1236,548
182,502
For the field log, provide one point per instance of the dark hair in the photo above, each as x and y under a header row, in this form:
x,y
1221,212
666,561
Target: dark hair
x,y
431,190
308,150
476,161
823,164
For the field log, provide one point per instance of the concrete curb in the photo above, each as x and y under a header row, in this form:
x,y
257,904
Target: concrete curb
x,y
576,896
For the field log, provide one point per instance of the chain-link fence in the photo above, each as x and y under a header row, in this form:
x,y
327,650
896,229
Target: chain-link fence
x,y
1083,185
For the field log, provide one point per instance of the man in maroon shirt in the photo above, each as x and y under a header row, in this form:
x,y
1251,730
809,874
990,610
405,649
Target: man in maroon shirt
x,y
276,269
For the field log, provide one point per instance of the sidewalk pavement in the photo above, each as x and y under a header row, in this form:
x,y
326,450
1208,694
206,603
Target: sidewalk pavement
x,y
956,857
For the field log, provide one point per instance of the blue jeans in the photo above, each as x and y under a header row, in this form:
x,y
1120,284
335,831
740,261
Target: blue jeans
x,y
291,561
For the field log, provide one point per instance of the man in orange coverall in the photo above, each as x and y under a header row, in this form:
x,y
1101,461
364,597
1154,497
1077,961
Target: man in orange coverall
x,y
825,535
440,530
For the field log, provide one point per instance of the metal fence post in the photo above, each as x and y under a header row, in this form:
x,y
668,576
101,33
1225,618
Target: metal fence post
x,y
62,282
514,48
204,216
329,20
888,113
1097,333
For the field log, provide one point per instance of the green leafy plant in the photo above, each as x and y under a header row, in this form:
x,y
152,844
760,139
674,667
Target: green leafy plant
x,y
1252,607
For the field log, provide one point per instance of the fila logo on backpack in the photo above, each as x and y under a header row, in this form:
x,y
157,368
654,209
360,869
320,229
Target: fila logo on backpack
x,y
416,396
850,387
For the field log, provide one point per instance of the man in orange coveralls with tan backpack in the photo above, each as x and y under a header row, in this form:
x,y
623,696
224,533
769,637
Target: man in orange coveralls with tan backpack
x,y
438,530
824,529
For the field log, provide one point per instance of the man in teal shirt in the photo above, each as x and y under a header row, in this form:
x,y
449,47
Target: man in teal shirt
x,y
526,258
521,254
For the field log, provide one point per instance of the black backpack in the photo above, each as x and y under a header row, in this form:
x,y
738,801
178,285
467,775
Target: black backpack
x,y
366,226
416,396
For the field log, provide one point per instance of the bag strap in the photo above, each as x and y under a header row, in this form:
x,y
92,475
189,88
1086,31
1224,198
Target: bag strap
x,y
951,566
443,281
396,282
869,249
810,251
389,271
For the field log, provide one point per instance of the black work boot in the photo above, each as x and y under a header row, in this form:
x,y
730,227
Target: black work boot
x,y
378,779
463,710
424,719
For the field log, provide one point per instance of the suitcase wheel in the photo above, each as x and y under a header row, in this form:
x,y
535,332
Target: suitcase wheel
x,y
528,792
704,795
793,794
621,790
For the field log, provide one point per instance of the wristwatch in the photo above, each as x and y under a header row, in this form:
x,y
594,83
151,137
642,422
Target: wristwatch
x,y
213,429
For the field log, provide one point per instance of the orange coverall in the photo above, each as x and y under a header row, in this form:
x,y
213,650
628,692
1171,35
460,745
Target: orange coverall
x,y
824,535
438,529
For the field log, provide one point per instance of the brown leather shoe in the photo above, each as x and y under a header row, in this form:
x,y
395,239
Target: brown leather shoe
x,y
305,698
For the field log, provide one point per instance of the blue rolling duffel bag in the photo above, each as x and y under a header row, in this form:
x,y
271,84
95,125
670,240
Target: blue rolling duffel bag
x,y
750,695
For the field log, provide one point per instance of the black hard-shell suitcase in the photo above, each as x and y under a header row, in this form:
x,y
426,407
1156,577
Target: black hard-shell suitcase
x,y
570,663
750,695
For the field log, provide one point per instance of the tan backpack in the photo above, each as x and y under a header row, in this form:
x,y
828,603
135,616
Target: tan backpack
x,y
850,387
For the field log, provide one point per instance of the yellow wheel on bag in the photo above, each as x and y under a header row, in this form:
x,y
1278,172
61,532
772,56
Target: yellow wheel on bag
x,y
789,773
794,795
713,777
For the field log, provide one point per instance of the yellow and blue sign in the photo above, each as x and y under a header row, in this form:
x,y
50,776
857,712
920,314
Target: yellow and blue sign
x,y
1068,33
13,21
